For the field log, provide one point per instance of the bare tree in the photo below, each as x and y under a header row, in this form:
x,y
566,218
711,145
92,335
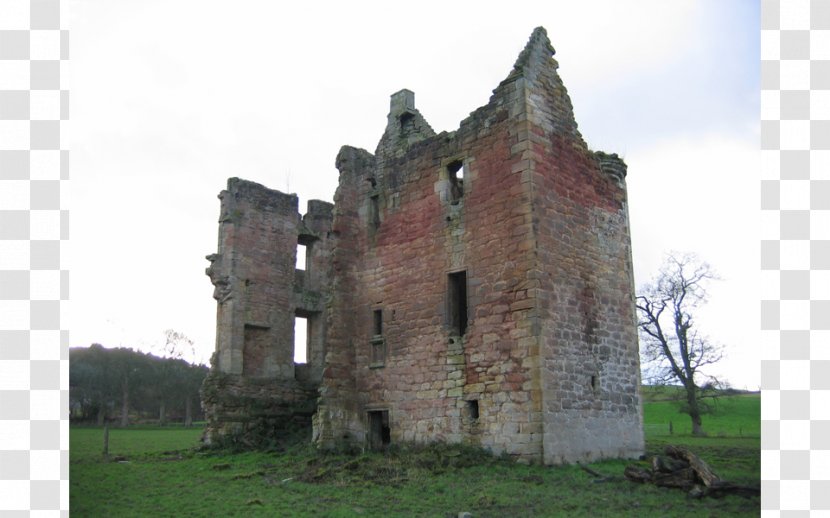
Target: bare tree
x,y
176,346
672,349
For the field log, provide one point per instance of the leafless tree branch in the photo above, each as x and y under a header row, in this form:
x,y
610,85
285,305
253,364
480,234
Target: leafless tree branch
x,y
678,355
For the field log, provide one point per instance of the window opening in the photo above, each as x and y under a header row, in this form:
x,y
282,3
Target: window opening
x,y
407,123
377,343
458,302
456,182
301,335
305,242
379,433
374,215
472,407
377,322
302,261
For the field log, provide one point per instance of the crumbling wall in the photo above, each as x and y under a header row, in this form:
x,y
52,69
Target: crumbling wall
x,y
338,417
254,383
254,411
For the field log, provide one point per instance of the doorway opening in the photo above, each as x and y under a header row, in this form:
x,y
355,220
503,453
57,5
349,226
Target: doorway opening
x,y
379,433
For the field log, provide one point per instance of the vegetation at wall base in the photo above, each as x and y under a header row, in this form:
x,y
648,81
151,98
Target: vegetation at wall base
x,y
161,472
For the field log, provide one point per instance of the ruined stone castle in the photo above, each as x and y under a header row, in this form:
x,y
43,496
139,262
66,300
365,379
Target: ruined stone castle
x,y
466,287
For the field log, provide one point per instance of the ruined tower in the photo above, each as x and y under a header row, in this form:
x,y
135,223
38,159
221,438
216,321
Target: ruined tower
x,y
254,388
473,286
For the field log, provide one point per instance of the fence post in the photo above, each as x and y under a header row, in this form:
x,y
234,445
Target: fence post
x,y
106,441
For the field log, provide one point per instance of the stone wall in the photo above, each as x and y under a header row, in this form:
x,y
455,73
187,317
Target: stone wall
x,y
254,411
337,419
254,382
589,349
515,200
253,273
410,225
467,287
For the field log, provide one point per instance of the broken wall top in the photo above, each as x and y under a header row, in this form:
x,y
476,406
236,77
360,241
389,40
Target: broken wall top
x,y
533,76
272,200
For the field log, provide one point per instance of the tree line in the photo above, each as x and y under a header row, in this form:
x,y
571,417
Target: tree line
x,y
125,386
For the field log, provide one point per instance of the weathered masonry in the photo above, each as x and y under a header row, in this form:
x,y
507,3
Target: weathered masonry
x,y
473,286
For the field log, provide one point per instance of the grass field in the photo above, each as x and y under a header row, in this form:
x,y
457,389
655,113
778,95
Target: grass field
x,y
732,416
164,475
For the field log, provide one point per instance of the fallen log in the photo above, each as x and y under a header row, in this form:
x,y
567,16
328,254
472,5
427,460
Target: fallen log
x,y
683,478
637,474
701,469
663,464
683,469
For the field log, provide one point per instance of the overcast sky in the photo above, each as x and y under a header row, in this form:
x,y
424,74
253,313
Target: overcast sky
x,y
170,98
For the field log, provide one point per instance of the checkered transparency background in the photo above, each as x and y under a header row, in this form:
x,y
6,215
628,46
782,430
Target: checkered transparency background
x,y
795,257
34,369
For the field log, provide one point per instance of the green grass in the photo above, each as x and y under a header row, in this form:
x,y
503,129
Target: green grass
x,y
438,481
730,416
88,442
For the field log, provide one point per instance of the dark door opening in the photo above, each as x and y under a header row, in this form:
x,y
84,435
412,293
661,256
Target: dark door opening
x,y
379,434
